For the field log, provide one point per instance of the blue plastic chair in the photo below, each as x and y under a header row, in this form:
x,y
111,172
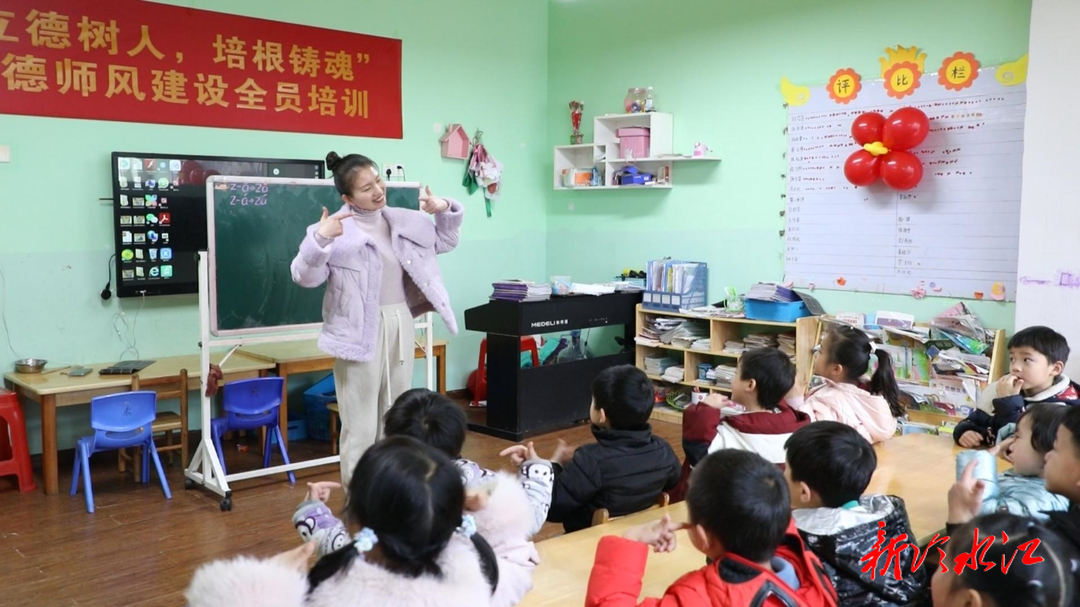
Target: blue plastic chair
x,y
251,404
119,421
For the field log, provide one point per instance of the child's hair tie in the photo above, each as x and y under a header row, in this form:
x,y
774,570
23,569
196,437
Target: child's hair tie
x,y
365,540
468,525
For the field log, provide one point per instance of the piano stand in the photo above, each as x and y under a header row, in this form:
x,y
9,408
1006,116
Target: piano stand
x,y
537,400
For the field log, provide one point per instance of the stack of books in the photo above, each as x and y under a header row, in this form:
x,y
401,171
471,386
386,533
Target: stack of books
x,y
521,291
768,291
653,330
760,340
684,335
787,343
675,373
722,376
657,365
734,346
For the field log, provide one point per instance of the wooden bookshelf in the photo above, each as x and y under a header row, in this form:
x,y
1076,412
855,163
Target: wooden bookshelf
x,y
999,366
807,336
722,330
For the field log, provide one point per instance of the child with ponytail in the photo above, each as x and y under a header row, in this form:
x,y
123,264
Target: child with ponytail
x,y
843,360
415,542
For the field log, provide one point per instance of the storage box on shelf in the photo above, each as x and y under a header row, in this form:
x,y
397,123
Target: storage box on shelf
x,y
722,330
606,152
687,296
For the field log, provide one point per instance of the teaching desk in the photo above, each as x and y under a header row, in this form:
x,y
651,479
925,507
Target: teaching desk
x,y
920,468
305,357
56,390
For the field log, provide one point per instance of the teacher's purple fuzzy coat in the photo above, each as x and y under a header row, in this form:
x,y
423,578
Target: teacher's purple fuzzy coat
x,y
352,270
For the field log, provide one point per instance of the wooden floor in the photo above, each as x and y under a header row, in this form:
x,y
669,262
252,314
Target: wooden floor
x,y
140,549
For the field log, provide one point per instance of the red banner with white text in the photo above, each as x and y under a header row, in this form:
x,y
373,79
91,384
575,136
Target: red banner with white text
x,y
135,61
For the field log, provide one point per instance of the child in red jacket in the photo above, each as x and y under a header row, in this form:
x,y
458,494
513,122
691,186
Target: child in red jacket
x,y
740,518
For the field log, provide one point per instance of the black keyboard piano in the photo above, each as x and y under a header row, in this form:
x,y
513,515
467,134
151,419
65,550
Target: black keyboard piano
x,y
530,401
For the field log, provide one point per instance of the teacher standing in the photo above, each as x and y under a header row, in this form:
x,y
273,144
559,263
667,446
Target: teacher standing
x,y
380,268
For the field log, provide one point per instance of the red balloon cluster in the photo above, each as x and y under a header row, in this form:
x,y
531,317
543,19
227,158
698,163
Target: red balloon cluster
x,y
885,143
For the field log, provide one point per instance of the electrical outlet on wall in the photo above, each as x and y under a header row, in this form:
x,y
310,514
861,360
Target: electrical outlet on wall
x,y
5,153
393,171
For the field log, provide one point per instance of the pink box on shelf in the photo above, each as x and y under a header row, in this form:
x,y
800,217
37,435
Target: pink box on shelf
x,y
633,142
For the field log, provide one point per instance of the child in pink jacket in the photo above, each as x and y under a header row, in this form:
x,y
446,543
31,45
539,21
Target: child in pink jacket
x,y
421,540
844,358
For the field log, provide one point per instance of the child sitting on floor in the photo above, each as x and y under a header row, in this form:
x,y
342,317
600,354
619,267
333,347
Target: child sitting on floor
x,y
843,360
829,466
740,519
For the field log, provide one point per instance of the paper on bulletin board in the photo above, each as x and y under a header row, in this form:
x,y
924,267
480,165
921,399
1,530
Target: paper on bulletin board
x,y
955,235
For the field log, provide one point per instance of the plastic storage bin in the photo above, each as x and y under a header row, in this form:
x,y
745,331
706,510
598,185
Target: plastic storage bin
x,y
775,311
633,142
297,431
315,412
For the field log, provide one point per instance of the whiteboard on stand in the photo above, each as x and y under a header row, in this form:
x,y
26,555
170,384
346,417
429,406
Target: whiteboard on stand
x,y
954,235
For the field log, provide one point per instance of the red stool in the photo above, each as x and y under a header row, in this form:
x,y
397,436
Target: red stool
x,y
14,453
528,344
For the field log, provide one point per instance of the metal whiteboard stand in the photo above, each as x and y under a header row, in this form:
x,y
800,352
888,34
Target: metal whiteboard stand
x,y
205,467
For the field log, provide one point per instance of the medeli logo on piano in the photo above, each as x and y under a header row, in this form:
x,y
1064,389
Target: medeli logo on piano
x,y
550,323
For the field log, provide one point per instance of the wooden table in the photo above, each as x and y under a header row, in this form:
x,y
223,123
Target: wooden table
x,y
56,390
305,357
918,467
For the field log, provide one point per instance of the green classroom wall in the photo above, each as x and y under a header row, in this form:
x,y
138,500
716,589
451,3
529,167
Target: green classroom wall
x,y
716,66
508,68
55,240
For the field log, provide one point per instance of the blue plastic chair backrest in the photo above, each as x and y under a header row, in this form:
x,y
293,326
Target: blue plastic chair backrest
x,y
252,396
123,412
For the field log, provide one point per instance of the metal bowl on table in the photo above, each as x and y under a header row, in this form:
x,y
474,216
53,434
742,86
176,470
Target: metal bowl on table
x,y
30,365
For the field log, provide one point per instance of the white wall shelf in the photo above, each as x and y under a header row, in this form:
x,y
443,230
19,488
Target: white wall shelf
x,y
605,155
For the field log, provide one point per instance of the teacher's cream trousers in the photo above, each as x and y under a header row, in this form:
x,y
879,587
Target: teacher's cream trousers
x,y
366,390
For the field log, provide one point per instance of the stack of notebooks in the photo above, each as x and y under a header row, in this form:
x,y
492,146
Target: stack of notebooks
x,y
734,347
675,373
722,376
653,330
686,333
787,343
657,365
760,340
768,291
521,291
702,345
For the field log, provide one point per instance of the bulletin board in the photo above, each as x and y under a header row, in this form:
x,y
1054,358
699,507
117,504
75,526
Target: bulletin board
x,y
956,234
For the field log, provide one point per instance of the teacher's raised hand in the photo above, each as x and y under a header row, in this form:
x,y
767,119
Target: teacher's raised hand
x,y
431,204
330,225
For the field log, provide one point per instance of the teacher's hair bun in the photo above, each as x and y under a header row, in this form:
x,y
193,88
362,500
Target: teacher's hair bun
x,y
332,161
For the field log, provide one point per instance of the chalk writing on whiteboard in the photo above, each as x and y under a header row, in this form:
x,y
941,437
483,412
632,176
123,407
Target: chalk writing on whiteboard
x,y
1028,280
957,231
